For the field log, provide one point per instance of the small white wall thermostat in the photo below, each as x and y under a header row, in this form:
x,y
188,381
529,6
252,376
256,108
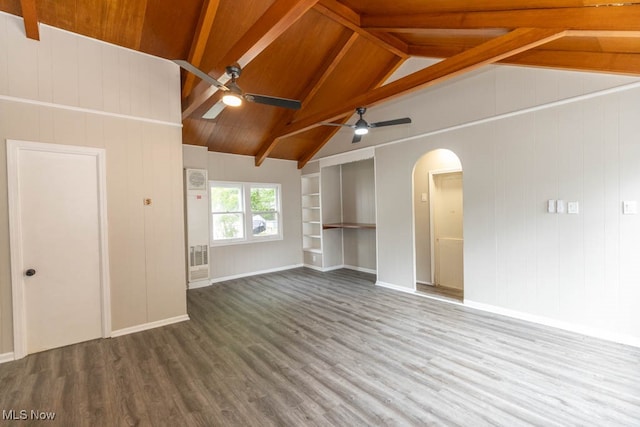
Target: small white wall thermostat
x,y
629,207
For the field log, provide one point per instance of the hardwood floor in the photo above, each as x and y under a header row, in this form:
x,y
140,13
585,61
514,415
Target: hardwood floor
x,y
302,348
441,292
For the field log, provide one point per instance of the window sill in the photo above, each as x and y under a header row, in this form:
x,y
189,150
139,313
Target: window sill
x,y
247,242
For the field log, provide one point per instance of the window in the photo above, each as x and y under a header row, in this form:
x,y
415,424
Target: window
x,y
227,212
244,212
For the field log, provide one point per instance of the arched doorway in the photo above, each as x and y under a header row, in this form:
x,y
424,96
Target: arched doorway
x,y
437,184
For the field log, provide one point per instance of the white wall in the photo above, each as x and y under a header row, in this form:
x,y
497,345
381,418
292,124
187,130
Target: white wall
x,y
72,90
248,258
575,271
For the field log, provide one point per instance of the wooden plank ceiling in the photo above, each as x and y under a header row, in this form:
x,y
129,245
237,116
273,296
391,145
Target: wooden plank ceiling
x,y
335,55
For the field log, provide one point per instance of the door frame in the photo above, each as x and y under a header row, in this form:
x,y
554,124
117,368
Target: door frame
x,y
14,147
432,174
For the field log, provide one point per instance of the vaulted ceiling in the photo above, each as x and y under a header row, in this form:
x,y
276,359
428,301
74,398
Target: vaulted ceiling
x,y
335,55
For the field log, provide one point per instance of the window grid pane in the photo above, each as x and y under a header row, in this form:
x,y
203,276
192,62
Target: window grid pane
x,y
227,198
264,199
265,224
228,226
264,210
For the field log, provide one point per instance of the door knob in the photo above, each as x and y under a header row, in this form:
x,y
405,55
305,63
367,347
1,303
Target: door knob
x,y
30,272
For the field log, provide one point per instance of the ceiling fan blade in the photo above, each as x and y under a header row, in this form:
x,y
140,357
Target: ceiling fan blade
x,y
338,124
356,138
201,74
274,101
390,122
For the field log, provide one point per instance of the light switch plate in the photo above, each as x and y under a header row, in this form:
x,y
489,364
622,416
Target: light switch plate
x,y
560,207
551,206
573,207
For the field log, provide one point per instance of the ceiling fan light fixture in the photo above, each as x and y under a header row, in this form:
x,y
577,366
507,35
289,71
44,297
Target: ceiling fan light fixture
x,y
233,97
361,127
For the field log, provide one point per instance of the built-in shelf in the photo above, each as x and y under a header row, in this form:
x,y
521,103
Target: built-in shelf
x,y
348,225
313,250
338,216
311,221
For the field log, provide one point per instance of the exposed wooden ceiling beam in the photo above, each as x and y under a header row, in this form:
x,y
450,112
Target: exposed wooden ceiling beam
x,y
614,17
383,77
276,20
514,42
350,19
607,34
597,51
200,38
30,17
606,62
318,80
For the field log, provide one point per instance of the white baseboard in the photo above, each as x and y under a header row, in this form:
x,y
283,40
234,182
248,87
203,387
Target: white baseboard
x,y
9,357
254,273
424,283
150,325
567,326
313,267
199,284
333,268
541,320
338,267
323,269
362,269
395,287
6,357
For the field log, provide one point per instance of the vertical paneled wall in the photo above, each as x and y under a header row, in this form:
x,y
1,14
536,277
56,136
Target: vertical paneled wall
x,y
578,270
72,90
249,258
358,206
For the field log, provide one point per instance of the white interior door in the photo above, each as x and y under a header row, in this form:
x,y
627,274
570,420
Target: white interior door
x,y
448,241
57,227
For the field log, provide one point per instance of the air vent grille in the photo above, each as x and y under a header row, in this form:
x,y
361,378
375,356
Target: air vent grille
x,y
198,255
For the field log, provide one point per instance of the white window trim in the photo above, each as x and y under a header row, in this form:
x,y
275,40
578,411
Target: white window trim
x,y
247,213
242,212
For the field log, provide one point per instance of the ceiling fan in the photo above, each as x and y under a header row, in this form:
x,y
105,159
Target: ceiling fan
x,y
361,127
233,95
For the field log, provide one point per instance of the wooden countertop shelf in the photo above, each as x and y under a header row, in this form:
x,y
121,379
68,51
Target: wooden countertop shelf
x,y
348,225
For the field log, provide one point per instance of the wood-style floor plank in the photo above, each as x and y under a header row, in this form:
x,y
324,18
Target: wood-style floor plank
x,y
302,348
